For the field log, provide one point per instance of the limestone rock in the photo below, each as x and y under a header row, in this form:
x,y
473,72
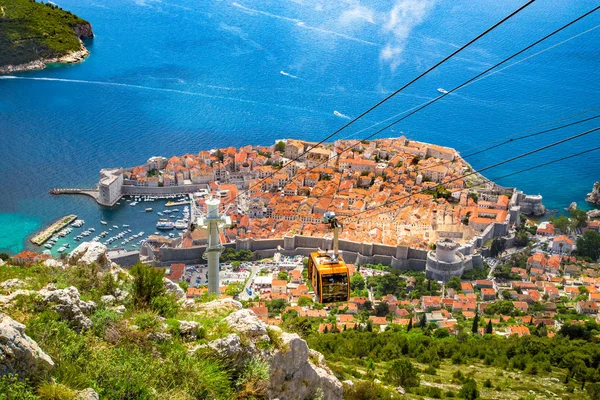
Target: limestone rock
x,y
230,348
174,288
52,263
188,329
348,383
400,390
12,284
119,309
2,262
594,196
10,297
160,337
108,300
216,306
69,305
121,295
89,253
293,376
87,394
572,206
594,213
246,323
19,354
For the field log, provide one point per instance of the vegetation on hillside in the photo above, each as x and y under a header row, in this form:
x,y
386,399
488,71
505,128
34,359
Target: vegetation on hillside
x,y
30,31
118,356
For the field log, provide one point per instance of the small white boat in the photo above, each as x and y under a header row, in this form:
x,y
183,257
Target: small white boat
x,y
104,222
444,91
116,226
148,209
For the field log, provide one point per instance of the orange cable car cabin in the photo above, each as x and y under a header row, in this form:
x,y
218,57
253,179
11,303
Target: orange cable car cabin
x,y
329,277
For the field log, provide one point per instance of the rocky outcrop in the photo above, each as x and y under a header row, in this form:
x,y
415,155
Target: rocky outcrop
x,y
214,307
593,213
247,324
174,288
594,196
68,304
52,263
294,376
19,354
12,284
188,330
87,394
72,57
89,253
296,372
84,31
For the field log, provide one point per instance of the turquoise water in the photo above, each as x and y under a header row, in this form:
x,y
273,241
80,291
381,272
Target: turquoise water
x,y
169,78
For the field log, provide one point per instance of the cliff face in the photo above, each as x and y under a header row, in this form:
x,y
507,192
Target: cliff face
x,y
594,196
84,31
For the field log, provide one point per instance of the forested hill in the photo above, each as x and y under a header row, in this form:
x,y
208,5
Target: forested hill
x,y
31,31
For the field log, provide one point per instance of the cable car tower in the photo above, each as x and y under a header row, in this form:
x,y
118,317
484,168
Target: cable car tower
x,y
213,222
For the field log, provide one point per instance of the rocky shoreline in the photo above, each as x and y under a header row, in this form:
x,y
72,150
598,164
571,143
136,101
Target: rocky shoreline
x,y
594,196
83,31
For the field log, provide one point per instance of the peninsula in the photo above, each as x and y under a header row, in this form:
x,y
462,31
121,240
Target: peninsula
x,y
34,34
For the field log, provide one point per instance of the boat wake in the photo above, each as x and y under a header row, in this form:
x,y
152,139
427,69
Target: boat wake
x,y
339,114
176,91
288,74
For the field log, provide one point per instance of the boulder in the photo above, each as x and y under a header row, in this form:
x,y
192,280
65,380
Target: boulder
x,y
160,337
293,376
121,295
108,300
119,309
2,262
52,263
188,329
87,394
69,305
174,288
12,284
246,323
89,253
215,306
19,354
572,206
231,349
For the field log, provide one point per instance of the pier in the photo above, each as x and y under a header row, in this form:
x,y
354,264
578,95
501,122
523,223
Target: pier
x,y
47,233
94,193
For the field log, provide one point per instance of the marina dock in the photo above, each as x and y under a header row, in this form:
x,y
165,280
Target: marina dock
x,y
47,233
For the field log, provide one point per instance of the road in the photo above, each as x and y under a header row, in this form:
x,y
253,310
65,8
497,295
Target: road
x,y
244,294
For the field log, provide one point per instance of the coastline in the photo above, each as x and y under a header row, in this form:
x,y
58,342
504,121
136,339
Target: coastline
x,y
72,57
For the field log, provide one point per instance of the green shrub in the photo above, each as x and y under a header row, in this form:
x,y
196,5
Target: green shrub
x,y
469,390
55,391
401,372
11,388
173,327
146,320
254,380
147,284
362,390
165,305
101,319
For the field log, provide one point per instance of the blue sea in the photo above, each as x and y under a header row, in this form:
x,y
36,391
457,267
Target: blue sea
x,y
179,76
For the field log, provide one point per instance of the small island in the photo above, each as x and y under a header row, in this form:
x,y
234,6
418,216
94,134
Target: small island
x,y
34,34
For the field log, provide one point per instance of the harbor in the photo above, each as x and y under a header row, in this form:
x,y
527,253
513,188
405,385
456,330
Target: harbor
x,y
42,237
124,226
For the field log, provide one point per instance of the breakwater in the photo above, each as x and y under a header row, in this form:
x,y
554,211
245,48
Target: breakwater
x,y
47,233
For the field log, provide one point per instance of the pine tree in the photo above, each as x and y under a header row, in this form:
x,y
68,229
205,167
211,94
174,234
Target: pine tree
x,y
475,327
488,329
409,327
325,330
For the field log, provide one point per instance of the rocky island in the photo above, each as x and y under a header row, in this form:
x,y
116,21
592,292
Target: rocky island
x,y
34,34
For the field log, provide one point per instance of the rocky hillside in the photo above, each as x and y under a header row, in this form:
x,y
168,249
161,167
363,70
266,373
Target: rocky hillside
x,y
86,329
32,34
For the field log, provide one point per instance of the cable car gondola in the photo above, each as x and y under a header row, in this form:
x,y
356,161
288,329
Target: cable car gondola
x,y
328,273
